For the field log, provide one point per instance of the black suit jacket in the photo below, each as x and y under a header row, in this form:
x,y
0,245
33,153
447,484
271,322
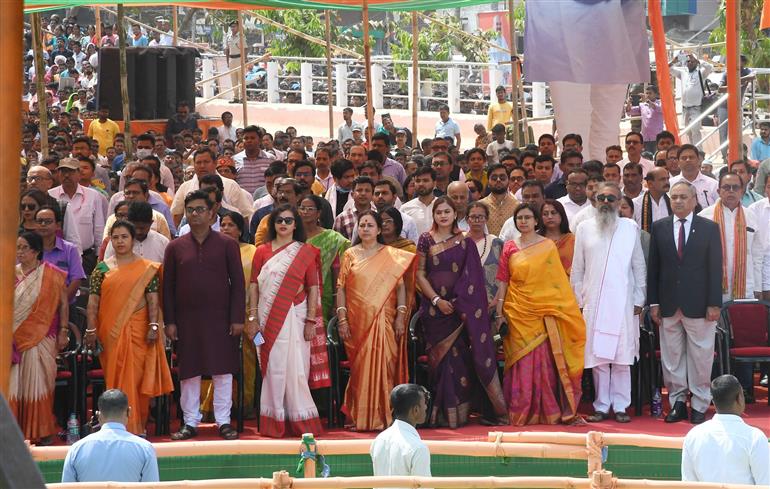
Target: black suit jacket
x,y
693,283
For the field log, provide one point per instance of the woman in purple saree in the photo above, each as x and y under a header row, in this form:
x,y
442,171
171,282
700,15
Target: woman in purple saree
x,y
458,336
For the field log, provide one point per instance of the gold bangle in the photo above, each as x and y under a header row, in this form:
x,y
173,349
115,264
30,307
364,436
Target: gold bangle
x,y
90,331
342,308
401,308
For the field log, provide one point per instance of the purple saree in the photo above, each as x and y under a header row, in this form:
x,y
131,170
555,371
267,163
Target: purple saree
x,y
460,346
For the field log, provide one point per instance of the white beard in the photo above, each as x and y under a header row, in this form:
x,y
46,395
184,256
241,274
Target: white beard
x,y
606,218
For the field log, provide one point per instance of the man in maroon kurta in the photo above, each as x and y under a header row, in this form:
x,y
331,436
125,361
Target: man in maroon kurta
x,y
204,308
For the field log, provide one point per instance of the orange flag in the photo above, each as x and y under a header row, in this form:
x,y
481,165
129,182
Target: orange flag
x,y
661,66
764,23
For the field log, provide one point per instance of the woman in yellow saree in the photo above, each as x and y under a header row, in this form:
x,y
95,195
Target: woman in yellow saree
x,y
40,318
123,314
375,294
546,333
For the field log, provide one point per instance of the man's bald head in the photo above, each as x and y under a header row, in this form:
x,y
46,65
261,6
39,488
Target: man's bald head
x,y
40,178
459,194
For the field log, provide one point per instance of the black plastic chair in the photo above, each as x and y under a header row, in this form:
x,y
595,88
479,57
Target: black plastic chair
x,y
67,376
340,372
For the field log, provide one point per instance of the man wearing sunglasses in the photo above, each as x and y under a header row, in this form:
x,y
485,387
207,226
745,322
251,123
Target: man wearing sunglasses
x,y
742,253
609,281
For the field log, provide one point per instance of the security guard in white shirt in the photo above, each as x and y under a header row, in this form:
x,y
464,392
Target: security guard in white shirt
x,y
233,55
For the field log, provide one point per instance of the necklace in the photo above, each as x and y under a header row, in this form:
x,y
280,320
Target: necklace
x,y
485,248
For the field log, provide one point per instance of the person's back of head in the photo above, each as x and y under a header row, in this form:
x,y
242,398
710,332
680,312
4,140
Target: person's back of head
x,y
409,403
727,394
113,407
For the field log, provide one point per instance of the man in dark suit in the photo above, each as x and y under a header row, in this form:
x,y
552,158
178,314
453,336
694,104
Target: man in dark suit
x,y
684,287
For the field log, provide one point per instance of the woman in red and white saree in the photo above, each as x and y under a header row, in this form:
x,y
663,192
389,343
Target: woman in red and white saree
x,y
286,309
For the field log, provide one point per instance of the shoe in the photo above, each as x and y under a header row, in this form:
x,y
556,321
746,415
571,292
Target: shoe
x,y
763,381
597,417
677,413
697,417
622,417
185,433
234,101
227,432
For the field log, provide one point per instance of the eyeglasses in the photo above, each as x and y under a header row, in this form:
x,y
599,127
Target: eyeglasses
x,y
197,210
284,220
518,179
28,207
439,164
606,198
34,178
477,218
122,215
44,222
306,209
730,188
302,175
498,178
387,221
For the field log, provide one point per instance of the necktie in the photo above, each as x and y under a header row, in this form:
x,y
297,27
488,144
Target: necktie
x,y
680,245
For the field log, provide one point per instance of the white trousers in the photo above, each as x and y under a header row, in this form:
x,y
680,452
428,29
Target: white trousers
x,y
690,114
687,354
591,110
190,399
612,383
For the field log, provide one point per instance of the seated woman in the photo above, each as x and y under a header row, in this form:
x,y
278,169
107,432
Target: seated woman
x,y
284,292
123,313
556,228
546,336
454,314
374,297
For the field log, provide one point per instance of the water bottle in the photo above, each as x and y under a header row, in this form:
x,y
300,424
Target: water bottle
x,y
73,429
657,404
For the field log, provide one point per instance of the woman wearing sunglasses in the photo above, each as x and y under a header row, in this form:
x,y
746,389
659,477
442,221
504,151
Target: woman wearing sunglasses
x,y
30,202
285,308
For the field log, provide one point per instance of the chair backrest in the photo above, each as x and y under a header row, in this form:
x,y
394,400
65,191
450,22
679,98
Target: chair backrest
x,y
749,323
333,338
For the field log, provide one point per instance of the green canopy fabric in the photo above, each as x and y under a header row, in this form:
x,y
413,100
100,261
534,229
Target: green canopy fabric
x,y
378,5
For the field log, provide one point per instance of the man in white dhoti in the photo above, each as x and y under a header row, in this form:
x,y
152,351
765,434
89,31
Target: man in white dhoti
x,y
588,79
609,281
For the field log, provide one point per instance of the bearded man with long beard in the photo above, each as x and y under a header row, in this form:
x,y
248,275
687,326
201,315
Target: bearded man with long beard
x,y
609,281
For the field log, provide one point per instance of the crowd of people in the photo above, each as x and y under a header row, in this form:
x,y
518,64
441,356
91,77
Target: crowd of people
x,y
524,267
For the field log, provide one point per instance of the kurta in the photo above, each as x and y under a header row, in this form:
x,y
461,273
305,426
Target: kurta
x,y
203,293
609,279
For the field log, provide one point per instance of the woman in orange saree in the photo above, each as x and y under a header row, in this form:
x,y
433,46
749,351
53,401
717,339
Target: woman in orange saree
x,y
123,314
40,318
556,228
374,297
546,333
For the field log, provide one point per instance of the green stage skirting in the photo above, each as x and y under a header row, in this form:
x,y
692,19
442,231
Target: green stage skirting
x,y
623,461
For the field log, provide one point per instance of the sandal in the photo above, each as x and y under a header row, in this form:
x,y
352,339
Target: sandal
x,y
227,432
185,433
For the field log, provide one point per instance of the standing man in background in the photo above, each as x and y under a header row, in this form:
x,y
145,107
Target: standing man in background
x,y
233,55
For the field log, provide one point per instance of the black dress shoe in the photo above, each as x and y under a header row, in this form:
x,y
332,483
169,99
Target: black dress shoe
x,y
697,417
677,413
597,417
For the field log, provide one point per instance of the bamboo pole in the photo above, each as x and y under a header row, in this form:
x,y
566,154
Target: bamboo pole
x,y
415,77
175,24
577,439
329,82
463,33
244,98
42,99
734,111
367,70
515,95
11,35
302,35
98,26
124,80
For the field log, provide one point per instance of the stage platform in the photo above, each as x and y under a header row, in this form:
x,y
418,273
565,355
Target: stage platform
x,y
623,461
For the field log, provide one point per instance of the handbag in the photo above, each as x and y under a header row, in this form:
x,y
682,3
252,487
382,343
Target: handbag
x,y
708,98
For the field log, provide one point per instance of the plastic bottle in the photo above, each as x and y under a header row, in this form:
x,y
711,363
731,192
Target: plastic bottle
x,y
73,429
657,404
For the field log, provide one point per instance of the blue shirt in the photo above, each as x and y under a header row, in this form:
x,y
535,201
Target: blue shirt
x,y
160,206
111,454
448,129
65,256
760,150
139,43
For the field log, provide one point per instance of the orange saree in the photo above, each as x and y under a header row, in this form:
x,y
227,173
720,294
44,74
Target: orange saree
x,y
36,308
130,364
546,337
566,248
377,361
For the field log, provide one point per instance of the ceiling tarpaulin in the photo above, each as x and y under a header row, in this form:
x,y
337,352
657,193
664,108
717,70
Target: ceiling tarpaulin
x,y
389,5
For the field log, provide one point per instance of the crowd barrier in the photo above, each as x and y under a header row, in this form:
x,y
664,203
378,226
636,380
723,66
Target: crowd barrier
x,y
589,447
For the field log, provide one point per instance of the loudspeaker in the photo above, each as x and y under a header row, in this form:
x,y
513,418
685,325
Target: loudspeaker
x,y
158,78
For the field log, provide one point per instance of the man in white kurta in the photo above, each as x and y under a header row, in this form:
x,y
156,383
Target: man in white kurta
x,y
609,281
